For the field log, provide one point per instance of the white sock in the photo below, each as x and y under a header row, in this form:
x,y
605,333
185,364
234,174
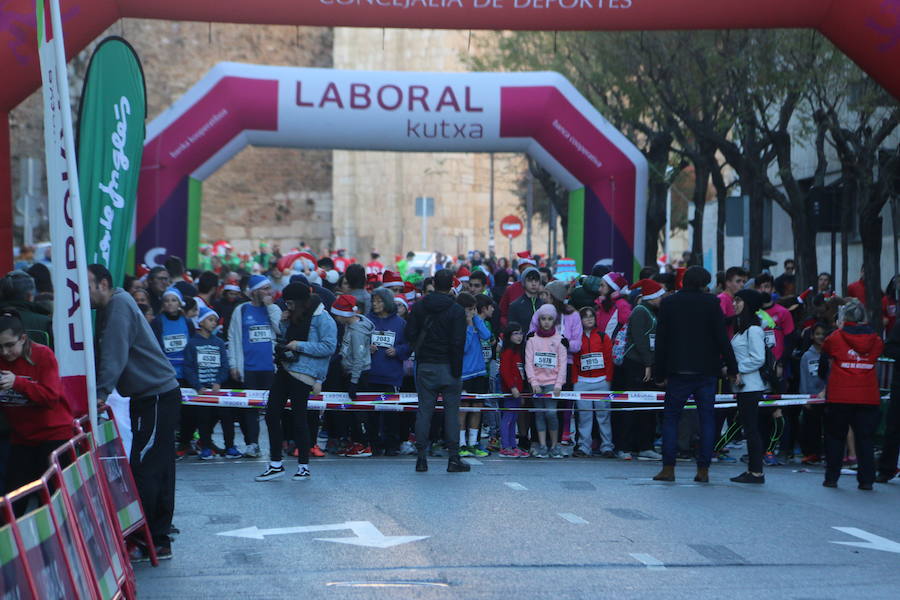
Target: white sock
x,y
302,468
473,437
462,437
275,463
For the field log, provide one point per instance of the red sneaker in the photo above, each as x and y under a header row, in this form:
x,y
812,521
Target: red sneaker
x,y
359,451
316,452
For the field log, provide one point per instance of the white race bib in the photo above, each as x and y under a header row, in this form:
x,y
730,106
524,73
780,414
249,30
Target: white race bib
x,y
486,350
652,342
384,339
260,334
174,343
545,360
770,338
592,362
813,367
209,358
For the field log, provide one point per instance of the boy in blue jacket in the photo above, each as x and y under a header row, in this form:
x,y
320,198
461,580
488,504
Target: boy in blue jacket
x,y
474,376
206,369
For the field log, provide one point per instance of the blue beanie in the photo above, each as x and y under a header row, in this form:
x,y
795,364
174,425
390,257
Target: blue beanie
x,y
205,312
256,282
174,292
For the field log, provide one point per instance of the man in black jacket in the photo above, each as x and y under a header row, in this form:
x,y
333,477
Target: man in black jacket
x,y
887,465
437,332
691,347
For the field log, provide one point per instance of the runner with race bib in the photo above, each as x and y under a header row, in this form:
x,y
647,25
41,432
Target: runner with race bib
x,y
592,371
545,366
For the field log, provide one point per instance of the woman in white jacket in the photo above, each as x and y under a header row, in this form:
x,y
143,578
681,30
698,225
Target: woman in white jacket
x,y
749,345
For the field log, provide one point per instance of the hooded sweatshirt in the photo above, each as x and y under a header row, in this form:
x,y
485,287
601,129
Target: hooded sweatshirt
x,y
473,358
853,352
356,355
47,416
389,332
545,356
609,321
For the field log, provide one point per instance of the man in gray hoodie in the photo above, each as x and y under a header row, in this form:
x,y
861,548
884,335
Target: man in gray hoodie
x,y
130,361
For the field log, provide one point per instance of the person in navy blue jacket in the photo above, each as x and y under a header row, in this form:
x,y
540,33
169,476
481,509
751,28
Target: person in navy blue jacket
x,y
206,369
173,331
389,350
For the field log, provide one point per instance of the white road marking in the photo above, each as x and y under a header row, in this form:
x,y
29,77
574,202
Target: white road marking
x,y
572,518
513,485
873,542
473,461
366,534
653,563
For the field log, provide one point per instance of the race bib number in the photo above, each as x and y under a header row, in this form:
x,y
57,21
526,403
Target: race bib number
x,y
260,334
174,343
592,362
384,339
813,369
652,342
545,360
770,338
486,351
209,358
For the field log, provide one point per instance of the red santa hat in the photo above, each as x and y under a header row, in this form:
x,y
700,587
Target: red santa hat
x,y
463,274
457,286
409,291
391,279
616,281
679,277
142,271
525,258
402,300
802,297
649,289
344,306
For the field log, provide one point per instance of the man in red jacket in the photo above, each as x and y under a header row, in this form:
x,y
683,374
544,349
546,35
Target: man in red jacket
x,y
852,395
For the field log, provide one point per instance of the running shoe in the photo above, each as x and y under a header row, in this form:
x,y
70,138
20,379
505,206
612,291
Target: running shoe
x,y
359,451
850,462
494,444
522,453
407,448
437,451
540,452
478,452
316,452
811,459
302,473
557,452
233,453
465,451
181,452
770,460
344,447
270,473
649,455
725,458
607,454
252,451
623,455
207,454
579,453
508,453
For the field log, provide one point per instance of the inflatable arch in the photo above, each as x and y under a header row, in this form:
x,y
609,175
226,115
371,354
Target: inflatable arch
x,y
867,30
542,114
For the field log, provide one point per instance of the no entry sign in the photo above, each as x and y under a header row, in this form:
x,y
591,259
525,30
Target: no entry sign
x,y
511,226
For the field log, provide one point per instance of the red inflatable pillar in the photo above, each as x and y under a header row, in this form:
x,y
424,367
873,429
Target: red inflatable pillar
x,y
6,197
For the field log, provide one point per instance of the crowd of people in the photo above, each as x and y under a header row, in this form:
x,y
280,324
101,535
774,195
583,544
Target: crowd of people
x,y
519,331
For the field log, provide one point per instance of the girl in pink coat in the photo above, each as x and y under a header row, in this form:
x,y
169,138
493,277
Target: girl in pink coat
x,y
545,367
612,309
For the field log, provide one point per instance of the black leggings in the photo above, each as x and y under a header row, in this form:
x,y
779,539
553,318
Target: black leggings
x,y
287,387
748,419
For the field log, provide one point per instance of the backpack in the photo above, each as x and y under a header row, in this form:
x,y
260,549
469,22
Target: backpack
x,y
620,343
769,372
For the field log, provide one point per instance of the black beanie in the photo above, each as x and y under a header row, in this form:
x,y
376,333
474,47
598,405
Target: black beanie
x,y
296,292
753,300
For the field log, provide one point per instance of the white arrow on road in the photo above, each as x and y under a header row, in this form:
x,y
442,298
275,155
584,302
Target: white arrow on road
x,y
873,542
366,534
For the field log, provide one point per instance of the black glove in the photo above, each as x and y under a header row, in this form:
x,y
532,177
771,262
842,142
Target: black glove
x,y
351,390
565,342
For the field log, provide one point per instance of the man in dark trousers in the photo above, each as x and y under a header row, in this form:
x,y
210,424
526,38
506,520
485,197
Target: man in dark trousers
x,y
436,331
691,348
130,361
887,465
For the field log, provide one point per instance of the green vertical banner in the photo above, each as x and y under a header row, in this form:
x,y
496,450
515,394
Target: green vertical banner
x,y
110,145
575,243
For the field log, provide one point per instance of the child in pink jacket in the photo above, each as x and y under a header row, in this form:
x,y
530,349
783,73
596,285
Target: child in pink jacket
x,y
545,366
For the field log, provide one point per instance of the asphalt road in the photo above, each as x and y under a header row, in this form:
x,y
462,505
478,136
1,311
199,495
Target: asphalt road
x,y
524,528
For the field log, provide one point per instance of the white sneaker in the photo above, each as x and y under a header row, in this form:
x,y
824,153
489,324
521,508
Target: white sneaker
x,y
407,448
302,473
649,455
252,451
623,455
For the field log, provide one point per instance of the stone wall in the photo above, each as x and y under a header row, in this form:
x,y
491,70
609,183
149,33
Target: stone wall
x,y
280,195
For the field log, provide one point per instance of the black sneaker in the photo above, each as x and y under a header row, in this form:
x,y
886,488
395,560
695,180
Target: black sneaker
x,y
865,486
421,464
270,473
302,473
456,465
829,483
173,530
164,552
747,477
579,453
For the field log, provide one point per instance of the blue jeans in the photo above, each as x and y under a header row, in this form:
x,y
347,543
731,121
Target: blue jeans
x,y
678,389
